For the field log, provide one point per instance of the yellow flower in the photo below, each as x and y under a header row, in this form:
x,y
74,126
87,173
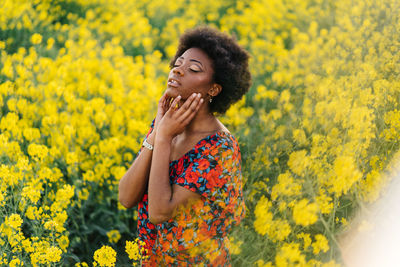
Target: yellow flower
x,y
3,258
276,229
81,264
286,186
2,197
63,197
300,137
71,158
264,217
27,245
346,174
59,220
280,230
32,213
31,134
14,221
50,43
32,191
132,248
321,243
84,194
235,246
38,152
15,263
324,202
289,255
304,213
261,263
118,172
298,162
105,256
63,242
306,239
89,176
53,254
113,236
50,225
36,38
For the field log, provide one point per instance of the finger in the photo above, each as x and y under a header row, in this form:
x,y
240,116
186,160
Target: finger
x,y
174,104
191,115
165,96
170,102
193,107
162,100
166,103
187,104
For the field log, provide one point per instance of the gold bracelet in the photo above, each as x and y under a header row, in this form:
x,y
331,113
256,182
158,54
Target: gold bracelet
x,y
147,145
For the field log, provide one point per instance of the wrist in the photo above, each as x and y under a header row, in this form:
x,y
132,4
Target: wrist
x,y
163,138
147,145
151,137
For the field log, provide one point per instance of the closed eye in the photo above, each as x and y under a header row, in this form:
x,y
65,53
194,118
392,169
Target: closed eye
x,y
194,70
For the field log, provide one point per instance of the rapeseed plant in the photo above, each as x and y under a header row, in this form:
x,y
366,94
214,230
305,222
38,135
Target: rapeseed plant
x,y
78,87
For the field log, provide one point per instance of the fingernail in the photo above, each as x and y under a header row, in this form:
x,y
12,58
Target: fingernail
x,y
201,100
194,94
199,95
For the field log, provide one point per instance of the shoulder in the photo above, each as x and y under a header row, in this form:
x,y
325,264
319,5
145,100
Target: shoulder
x,y
216,144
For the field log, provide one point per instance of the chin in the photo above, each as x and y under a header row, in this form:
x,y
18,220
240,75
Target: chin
x,y
172,92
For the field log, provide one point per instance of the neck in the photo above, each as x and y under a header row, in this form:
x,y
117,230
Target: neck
x,y
203,121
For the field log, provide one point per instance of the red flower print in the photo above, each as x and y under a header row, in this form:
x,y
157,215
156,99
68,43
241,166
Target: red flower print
x,y
199,228
203,164
191,176
214,151
188,234
212,178
179,167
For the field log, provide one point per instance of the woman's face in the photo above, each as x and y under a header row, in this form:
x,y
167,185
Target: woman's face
x,y
192,73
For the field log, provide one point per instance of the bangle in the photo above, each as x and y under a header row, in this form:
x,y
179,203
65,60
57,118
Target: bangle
x,y
147,145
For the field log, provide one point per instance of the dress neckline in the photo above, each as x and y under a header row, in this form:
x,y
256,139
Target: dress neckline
x,y
220,133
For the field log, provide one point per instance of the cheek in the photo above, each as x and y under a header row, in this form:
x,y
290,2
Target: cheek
x,y
200,83
198,86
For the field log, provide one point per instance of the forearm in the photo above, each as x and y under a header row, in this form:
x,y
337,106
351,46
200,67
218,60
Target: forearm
x,y
163,200
133,184
160,191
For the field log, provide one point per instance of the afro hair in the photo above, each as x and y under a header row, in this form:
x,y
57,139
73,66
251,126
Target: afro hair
x,y
229,61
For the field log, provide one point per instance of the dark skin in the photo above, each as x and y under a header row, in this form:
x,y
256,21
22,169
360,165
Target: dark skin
x,y
183,119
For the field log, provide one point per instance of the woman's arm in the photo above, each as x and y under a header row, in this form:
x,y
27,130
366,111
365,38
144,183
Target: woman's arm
x,y
163,198
133,184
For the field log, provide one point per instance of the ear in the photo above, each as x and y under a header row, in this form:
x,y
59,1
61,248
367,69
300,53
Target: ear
x,y
215,90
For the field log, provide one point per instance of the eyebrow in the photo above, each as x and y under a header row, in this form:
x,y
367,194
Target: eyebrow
x,y
191,60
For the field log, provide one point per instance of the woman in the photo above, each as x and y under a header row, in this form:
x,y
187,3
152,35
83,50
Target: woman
x,y
186,178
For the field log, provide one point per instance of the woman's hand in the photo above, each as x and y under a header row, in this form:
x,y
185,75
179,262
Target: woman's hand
x,y
163,105
177,118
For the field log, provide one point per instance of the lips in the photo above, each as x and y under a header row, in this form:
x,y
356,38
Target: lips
x,y
173,82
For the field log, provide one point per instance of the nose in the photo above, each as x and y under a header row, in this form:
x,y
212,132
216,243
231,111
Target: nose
x,y
177,70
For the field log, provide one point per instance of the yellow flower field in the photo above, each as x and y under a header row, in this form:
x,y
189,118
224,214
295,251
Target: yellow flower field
x,y
79,85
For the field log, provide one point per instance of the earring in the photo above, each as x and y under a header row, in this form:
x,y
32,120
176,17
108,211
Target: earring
x,y
210,99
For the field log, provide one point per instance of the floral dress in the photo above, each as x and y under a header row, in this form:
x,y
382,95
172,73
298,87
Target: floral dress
x,y
197,234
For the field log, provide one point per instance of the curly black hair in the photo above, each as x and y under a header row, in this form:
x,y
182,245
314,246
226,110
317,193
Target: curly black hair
x,y
229,61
